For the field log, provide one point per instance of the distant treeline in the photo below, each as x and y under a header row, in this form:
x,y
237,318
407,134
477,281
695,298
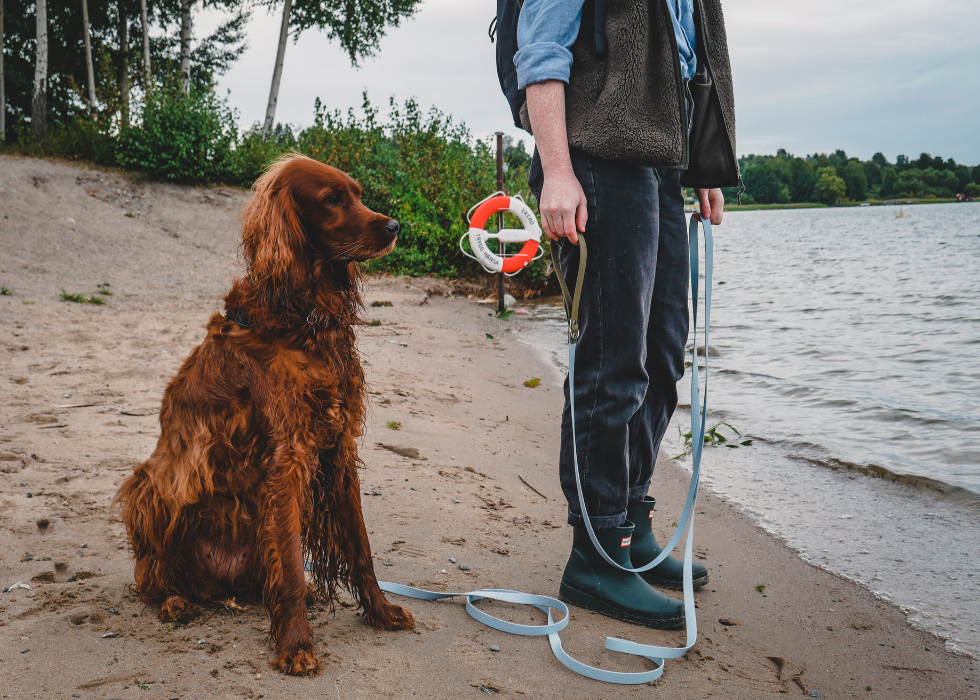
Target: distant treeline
x,y
784,178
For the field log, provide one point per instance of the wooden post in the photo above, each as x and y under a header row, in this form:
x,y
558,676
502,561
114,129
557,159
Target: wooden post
x,y
500,219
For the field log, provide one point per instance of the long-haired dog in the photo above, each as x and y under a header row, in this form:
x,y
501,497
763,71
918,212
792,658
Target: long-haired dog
x,y
256,465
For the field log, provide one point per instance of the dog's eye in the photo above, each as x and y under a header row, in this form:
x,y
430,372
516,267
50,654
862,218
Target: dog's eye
x,y
335,200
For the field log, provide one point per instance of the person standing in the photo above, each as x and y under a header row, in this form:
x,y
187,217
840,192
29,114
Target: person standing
x,y
628,101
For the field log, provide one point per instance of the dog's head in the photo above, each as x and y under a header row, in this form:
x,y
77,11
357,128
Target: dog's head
x,y
303,212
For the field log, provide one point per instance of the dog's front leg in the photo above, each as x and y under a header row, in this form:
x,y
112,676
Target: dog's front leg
x,y
285,581
356,548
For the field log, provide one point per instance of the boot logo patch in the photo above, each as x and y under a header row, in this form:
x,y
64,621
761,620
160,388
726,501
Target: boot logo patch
x,y
651,514
626,541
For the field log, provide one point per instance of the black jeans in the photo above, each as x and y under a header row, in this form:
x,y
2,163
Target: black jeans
x,y
634,326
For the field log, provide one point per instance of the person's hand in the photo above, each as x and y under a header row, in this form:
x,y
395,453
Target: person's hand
x,y
712,205
564,209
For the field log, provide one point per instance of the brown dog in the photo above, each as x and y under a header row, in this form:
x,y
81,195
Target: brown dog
x,y
257,459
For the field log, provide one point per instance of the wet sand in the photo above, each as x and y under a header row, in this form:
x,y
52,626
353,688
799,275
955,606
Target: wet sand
x,y
81,386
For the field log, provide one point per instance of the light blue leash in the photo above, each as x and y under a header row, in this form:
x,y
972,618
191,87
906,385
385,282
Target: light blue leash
x,y
546,604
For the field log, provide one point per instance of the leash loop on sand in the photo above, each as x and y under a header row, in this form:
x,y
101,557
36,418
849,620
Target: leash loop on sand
x,y
655,654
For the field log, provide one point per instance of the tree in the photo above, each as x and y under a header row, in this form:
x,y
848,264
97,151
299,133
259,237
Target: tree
x,y
145,24
39,107
3,94
122,63
270,109
359,26
972,189
829,187
888,179
764,184
879,159
856,180
185,45
804,179
93,105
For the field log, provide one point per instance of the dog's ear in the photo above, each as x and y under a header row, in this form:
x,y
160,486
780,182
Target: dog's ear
x,y
273,241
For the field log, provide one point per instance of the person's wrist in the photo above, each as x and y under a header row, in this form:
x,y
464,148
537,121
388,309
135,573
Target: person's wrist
x,y
562,170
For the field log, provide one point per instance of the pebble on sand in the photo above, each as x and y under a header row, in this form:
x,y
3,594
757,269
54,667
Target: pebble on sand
x,y
494,647
464,567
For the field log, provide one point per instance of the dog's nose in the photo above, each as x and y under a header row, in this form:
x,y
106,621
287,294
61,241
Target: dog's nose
x,y
393,227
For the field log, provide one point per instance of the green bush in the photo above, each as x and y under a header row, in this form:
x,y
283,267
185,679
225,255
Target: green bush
x,y
253,155
181,138
421,169
84,138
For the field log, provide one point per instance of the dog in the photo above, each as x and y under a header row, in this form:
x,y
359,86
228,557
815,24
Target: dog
x,y
256,467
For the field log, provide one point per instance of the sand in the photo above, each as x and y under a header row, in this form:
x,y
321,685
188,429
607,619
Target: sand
x,y
81,387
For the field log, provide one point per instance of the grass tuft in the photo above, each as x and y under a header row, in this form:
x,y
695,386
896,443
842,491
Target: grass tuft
x,y
104,289
5,291
381,303
394,425
79,298
760,587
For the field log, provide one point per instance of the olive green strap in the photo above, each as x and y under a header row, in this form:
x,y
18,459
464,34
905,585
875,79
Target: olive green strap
x,y
571,301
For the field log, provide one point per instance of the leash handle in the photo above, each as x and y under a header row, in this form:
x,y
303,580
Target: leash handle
x,y
655,654
570,300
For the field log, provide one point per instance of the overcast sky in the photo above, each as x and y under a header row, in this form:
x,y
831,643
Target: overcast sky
x,y
896,76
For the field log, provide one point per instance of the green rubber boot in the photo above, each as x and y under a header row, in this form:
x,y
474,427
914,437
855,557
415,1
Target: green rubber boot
x,y
644,549
591,582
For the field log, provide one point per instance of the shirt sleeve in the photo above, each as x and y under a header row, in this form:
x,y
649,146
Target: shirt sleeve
x,y
546,31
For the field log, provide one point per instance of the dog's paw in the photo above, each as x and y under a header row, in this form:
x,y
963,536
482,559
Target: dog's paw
x,y
298,661
392,617
173,609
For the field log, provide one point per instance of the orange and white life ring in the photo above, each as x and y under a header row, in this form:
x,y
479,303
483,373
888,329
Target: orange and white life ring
x,y
530,235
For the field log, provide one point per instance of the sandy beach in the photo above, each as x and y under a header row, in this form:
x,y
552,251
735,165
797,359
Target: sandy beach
x,y
470,475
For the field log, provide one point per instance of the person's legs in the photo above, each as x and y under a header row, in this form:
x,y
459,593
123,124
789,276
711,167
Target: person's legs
x,y
611,381
667,332
611,377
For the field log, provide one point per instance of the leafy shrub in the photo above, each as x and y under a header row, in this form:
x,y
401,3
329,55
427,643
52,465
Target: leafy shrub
x,y
84,138
254,153
829,187
181,138
421,169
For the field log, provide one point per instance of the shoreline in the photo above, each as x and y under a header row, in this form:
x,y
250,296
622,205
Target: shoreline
x,y
477,432
843,205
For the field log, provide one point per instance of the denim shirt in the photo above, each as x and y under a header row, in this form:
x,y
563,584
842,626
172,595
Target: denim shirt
x,y
547,29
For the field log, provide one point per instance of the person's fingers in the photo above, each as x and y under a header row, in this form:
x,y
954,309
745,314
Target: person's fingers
x,y
717,207
705,204
582,217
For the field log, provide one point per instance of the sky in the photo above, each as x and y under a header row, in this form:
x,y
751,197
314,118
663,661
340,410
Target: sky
x,y
895,76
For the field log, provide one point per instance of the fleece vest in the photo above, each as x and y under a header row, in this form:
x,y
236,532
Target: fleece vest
x,y
629,103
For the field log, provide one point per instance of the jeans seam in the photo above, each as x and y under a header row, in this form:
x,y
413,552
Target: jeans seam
x,y
598,268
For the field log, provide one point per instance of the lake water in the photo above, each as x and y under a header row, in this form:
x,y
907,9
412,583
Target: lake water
x,y
849,345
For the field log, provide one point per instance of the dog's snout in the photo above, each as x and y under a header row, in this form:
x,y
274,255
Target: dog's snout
x,y
393,227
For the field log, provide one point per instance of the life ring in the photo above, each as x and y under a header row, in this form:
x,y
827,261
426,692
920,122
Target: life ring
x,y
530,235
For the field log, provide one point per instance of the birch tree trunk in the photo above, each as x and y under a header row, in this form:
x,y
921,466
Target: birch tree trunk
x,y
92,104
39,103
185,46
122,69
270,110
3,93
147,81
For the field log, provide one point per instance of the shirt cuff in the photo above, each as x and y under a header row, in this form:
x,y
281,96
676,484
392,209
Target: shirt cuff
x,y
542,61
